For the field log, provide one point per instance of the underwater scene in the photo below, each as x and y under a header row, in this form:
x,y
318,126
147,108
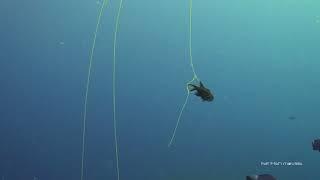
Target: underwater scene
x,y
160,90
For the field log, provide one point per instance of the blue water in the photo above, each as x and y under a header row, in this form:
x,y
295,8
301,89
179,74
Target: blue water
x,y
261,58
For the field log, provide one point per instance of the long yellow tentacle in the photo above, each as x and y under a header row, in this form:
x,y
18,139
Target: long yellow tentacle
x,y
114,89
104,4
194,78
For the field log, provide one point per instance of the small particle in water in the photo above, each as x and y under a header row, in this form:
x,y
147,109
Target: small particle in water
x,y
317,19
292,117
261,177
61,43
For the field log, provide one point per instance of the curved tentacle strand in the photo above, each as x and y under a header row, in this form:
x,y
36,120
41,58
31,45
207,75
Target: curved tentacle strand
x,y
178,121
194,78
104,4
114,89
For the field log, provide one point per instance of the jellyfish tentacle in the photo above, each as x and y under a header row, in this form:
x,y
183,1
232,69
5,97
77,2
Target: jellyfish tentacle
x,y
114,89
194,78
103,6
